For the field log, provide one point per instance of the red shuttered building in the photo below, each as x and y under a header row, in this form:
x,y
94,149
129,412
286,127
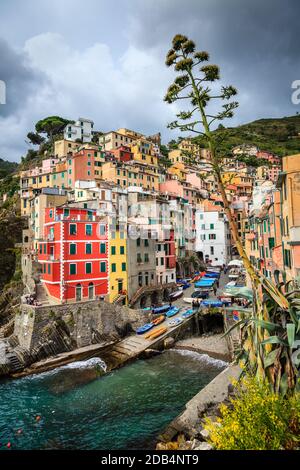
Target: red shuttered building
x,y
74,254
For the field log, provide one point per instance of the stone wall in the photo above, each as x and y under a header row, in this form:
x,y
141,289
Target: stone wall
x,y
86,322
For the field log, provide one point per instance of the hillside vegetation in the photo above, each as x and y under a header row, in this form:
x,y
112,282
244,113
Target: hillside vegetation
x,y
277,135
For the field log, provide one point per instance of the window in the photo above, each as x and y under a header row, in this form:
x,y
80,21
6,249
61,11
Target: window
x,y
102,267
102,248
212,250
123,266
88,268
72,268
72,248
102,229
138,242
51,214
66,212
212,236
113,250
139,258
122,250
203,227
212,226
146,257
49,268
113,268
73,229
146,242
88,229
88,248
41,248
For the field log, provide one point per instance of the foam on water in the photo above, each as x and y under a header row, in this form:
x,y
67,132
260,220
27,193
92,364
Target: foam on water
x,y
205,358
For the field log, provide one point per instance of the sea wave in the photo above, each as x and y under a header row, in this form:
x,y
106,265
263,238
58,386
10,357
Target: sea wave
x,y
205,358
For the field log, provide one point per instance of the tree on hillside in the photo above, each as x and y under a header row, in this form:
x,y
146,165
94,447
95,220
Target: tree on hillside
x,y
35,139
195,85
51,126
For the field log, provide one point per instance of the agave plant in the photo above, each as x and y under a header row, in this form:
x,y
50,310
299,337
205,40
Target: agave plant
x,y
271,338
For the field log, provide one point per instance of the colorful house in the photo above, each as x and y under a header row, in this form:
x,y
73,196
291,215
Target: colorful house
x,y
74,254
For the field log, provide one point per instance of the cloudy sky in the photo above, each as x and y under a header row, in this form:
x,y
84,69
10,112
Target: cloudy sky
x,y
104,59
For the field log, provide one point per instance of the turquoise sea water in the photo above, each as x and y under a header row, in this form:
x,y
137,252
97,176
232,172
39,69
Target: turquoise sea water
x,y
125,409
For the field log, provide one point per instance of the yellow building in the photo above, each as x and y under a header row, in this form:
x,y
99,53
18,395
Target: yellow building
x,y
118,285
63,147
179,170
131,174
143,152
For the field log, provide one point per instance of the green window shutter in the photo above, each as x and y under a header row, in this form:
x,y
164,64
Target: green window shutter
x,y
113,268
88,229
102,248
88,268
123,266
113,250
72,268
88,249
49,268
122,250
72,249
102,267
73,229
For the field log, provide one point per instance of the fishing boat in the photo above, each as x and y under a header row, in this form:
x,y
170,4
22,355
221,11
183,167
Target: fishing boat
x,y
186,286
188,313
175,322
143,329
211,303
158,320
172,311
176,295
161,309
156,333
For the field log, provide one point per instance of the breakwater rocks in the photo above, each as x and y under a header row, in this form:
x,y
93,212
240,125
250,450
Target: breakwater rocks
x,y
41,332
186,431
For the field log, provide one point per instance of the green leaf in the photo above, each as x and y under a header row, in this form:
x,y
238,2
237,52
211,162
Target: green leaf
x,y
240,322
269,326
274,340
291,328
283,384
270,358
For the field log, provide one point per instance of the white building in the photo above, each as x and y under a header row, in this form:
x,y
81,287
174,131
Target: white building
x,y
82,130
213,237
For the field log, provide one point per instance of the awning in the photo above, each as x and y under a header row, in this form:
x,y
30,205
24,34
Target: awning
x,y
243,292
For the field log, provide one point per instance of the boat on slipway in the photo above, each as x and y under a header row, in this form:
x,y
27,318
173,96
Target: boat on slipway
x,y
172,311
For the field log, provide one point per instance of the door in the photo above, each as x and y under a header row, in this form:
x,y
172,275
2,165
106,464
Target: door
x,y
91,291
78,292
120,286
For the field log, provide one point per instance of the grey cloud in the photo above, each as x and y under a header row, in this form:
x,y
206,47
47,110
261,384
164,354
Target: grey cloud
x,y
21,80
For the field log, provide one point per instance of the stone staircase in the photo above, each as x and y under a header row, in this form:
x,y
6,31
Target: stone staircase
x,y
119,298
148,289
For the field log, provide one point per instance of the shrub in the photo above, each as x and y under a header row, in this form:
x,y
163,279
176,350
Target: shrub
x,y
258,419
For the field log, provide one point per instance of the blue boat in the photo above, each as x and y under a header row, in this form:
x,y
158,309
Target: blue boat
x,y
172,311
175,321
161,309
186,286
211,303
205,283
143,329
187,313
211,276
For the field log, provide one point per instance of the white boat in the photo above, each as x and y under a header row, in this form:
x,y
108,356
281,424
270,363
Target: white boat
x,y
188,300
176,295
